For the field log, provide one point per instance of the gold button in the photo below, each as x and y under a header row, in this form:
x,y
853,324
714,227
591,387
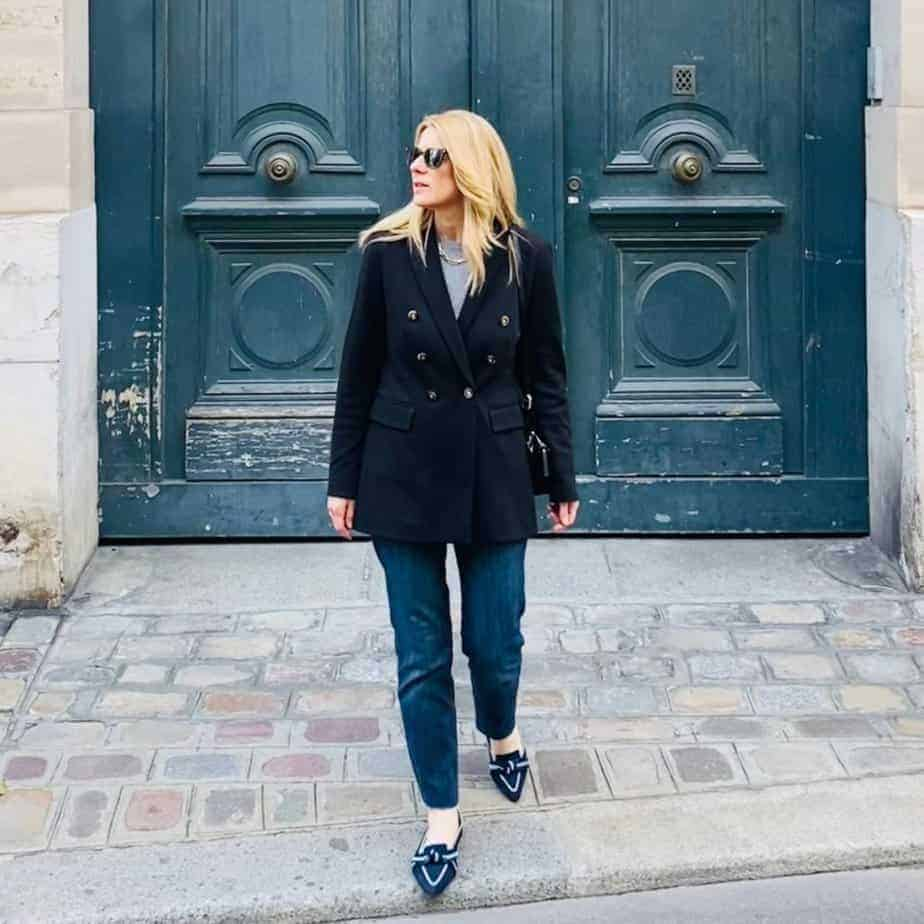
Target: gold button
x,y
505,320
421,356
412,315
468,392
431,395
491,358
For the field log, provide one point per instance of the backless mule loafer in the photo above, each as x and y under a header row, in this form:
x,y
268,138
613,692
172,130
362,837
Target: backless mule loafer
x,y
509,771
435,865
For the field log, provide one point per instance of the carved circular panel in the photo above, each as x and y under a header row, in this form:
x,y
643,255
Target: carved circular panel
x,y
685,314
280,317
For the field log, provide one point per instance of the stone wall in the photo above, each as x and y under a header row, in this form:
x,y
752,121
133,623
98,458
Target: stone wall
x,y
48,343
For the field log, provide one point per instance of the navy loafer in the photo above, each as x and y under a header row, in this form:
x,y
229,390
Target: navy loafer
x,y
435,865
509,772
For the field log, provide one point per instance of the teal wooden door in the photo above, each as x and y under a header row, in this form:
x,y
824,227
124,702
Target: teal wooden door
x,y
698,167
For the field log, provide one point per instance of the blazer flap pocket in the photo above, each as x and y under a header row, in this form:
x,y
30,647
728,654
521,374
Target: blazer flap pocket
x,y
392,414
507,417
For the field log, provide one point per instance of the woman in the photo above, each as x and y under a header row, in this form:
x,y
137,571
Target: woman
x,y
428,447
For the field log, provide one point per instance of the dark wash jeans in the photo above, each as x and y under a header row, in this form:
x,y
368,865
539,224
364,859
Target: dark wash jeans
x,y
493,601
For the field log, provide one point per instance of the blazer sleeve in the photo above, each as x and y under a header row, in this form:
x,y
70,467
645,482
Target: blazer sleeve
x,y
360,368
549,374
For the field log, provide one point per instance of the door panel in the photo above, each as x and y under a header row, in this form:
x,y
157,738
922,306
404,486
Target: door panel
x,y
699,168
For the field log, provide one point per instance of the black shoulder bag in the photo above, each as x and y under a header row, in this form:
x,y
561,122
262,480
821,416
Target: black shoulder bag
x,y
537,448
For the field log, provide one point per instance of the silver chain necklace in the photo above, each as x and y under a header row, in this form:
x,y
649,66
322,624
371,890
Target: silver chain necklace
x,y
446,256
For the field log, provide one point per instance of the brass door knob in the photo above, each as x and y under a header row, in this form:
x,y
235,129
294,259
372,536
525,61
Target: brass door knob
x,y
687,167
281,168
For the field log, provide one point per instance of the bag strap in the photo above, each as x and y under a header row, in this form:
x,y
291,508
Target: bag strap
x,y
520,364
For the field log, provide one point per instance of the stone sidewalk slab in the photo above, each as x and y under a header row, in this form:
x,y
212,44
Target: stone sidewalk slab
x,y
571,850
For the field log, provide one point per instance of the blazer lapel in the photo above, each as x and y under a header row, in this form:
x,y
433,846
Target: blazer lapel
x,y
433,285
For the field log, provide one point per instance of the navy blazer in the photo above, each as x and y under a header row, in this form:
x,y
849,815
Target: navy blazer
x,y
428,433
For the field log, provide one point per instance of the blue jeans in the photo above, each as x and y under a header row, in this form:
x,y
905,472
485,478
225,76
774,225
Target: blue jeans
x,y
493,600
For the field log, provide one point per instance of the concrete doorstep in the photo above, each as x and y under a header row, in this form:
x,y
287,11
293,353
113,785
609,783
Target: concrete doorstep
x,y
345,872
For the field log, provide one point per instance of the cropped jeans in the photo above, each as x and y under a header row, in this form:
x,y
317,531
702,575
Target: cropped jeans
x,y
493,601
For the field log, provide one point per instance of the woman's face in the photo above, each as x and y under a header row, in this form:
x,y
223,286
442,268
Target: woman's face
x,y
433,188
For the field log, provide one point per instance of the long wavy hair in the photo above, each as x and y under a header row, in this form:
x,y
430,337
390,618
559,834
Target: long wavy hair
x,y
484,175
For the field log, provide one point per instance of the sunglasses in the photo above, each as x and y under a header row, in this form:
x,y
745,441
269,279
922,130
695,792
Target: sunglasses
x,y
433,157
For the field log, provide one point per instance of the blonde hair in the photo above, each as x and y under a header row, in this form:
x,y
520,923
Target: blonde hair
x,y
484,175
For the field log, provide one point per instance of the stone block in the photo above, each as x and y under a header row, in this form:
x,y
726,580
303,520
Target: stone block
x,y
341,730
221,808
201,765
721,666
813,667
144,674
343,698
28,769
151,814
31,630
624,699
288,805
875,612
789,762
26,818
243,732
880,667
123,767
789,613
326,642
18,660
865,759
853,637
293,765
636,771
689,638
379,763
241,646
64,735
868,698
241,703
711,699
346,802
11,690
300,671
625,616
707,766
769,639
152,648
790,698
567,774
357,617
833,726
86,817
739,727
118,703
155,733
214,675
714,614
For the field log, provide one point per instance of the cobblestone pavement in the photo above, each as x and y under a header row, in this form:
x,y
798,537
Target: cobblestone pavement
x,y
131,729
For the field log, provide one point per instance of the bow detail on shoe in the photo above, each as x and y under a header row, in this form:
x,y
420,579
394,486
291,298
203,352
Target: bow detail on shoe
x,y
509,772
435,853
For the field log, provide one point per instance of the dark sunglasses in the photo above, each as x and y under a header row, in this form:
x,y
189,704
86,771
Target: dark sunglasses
x,y
433,157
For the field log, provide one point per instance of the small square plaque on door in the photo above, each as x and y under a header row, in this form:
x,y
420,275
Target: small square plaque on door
x,y
683,79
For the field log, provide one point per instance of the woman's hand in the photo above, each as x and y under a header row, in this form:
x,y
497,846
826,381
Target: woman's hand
x,y
341,510
563,514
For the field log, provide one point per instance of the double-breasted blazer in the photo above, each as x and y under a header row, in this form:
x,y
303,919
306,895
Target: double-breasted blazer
x,y
428,433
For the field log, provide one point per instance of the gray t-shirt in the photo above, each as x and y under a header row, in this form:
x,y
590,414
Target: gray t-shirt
x,y
456,275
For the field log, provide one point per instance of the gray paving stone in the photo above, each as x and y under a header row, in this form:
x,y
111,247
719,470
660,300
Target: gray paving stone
x,y
154,733
862,759
294,672
75,676
880,667
810,667
63,735
709,699
789,762
144,674
625,616
720,666
86,627
782,699
81,650
221,808
833,726
282,621
148,648
613,638
325,642
543,671
340,802
712,614
124,767
854,637
567,774
288,806
636,771
871,698
705,766
51,705
120,703
356,617
378,763
242,646
769,639
599,729
193,623
689,638
876,612
201,765
622,700
738,727
199,675
789,613
642,667
86,817
365,670
579,641
31,630
547,614
11,691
